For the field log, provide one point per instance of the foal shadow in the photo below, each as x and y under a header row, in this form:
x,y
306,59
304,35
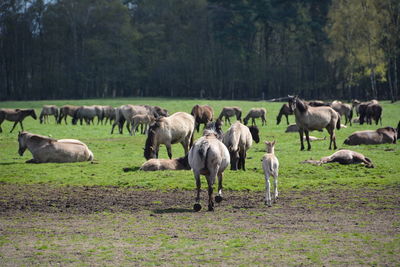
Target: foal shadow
x,y
172,210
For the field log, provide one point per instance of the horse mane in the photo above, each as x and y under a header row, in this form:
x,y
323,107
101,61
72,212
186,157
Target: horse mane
x,y
301,105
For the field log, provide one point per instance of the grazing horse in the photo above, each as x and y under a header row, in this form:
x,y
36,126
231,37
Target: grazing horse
x,y
387,135
141,119
46,149
228,112
343,156
177,128
166,164
202,114
16,115
65,111
109,114
87,113
310,118
270,164
46,111
366,112
374,112
285,110
256,113
343,109
126,113
209,157
238,139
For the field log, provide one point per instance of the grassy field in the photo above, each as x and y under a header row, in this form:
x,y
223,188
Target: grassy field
x,y
321,225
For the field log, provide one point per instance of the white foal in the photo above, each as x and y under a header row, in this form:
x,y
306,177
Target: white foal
x,y
270,165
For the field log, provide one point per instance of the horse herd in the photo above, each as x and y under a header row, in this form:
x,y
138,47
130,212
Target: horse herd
x,y
211,154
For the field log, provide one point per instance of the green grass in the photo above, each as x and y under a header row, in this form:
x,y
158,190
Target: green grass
x,y
115,152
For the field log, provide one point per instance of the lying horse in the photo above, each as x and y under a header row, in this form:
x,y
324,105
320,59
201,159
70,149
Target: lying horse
x,y
45,149
343,156
387,135
166,164
177,128
16,115
238,139
310,118
202,114
256,113
285,110
210,157
228,112
46,111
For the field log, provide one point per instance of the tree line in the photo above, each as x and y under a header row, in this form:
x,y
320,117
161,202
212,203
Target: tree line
x,y
228,49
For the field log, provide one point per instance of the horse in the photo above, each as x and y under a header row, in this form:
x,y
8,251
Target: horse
x,y
365,114
256,113
355,105
202,114
387,135
46,149
141,119
15,115
270,164
310,118
318,103
87,113
166,164
374,112
343,109
46,111
343,156
177,128
109,114
285,110
228,112
209,157
126,113
238,139
215,126
65,111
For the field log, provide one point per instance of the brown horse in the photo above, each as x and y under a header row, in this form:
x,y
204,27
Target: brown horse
x,y
343,109
177,128
387,135
202,114
228,112
374,112
65,111
310,118
285,110
16,115
46,111
256,113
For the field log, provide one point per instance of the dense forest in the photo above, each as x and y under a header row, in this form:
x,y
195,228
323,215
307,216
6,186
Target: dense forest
x,y
228,49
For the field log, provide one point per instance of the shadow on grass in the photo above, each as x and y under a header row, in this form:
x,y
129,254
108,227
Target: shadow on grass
x,y
172,210
133,169
10,163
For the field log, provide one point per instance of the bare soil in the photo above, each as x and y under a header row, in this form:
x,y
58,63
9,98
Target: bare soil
x,y
296,214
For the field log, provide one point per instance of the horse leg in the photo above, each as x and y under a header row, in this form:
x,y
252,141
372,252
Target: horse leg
x,y
218,198
210,181
267,190
308,139
22,126
15,124
197,205
287,119
301,139
227,118
169,150
275,186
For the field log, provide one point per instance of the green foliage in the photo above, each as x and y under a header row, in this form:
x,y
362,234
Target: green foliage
x,y
115,152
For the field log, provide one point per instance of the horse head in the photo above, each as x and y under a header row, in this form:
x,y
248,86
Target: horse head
x,y
214,128
292,100
32,113
150,151
255,133
22,143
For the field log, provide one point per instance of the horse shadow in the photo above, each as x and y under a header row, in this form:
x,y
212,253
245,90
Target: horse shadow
x,y
133,169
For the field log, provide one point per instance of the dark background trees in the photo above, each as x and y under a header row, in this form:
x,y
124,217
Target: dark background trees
x,y
197,48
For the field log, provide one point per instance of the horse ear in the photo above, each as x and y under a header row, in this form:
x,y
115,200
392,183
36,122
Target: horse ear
x,y
273,142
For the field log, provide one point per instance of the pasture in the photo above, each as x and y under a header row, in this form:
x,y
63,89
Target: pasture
x,y
106,212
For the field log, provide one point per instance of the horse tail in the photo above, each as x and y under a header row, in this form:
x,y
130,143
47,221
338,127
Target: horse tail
x,y
338,122
191,140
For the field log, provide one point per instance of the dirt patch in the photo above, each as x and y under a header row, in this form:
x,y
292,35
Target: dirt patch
x,y
74,199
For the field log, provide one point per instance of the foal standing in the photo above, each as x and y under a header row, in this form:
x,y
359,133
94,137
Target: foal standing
x,y
270,165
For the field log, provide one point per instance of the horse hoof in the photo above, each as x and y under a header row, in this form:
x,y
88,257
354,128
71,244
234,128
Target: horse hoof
x,y
197,207
210,207
218,199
